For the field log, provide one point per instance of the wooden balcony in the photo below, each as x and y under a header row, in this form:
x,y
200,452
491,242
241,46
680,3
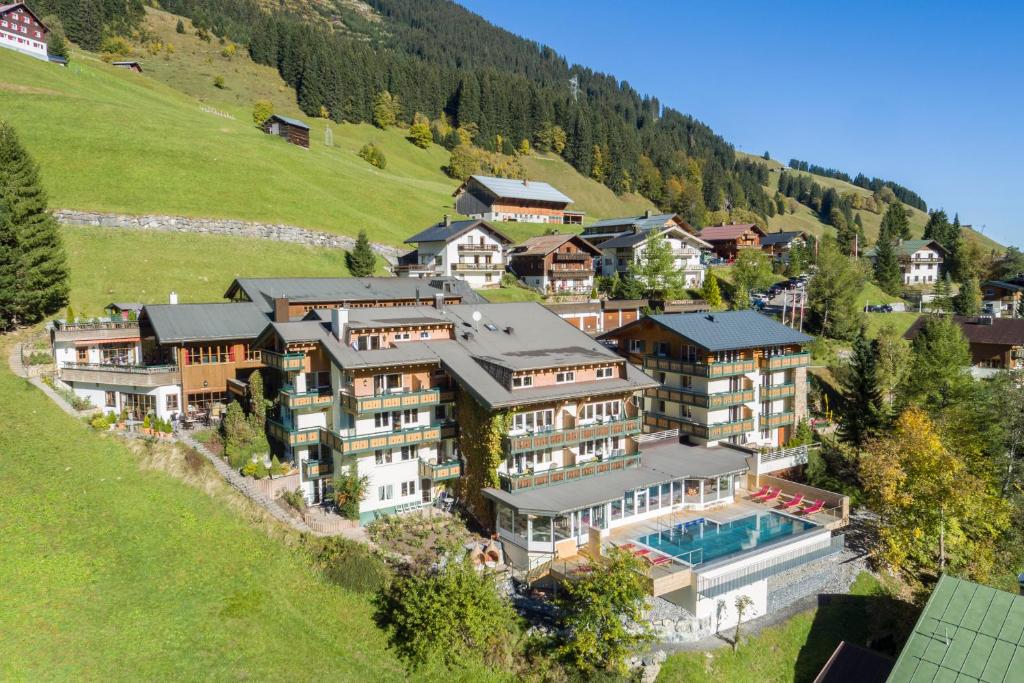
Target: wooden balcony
x,y
693,398
315,469
442,471
777,420
121,375
789,360
518,482
570,256
290,436
397,400
478,267
308,400
478,248
778,391
349,444
719,430
711,370
565,273
285,362
570,437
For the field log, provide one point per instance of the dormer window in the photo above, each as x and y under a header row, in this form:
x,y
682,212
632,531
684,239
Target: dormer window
x,y
605,373
566,377
522,381
402,336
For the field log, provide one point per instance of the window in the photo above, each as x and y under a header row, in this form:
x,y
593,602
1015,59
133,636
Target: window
x,y
411,416
206,355
409,452
533,421
637,346
83,354
383,456
402,336
565,377
367,342
409,488
387,384
522,381
385,492
605,373
663,349
202,400
601,411
424,334
251,353
119,354
109,399
172,403
382,420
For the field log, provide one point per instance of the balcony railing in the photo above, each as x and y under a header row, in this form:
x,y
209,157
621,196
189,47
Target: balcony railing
x,y
571,256
570,273
570,437
712,432
478,267
117,367
778,391
117,374
393,400
711,370
285,362
290,436
315,469
612,463
482,248
295,400
789,360
442,471
96,324
777,420
348,443
695,398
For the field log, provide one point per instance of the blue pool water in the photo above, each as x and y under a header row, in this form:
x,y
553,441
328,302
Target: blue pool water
x,y
704,540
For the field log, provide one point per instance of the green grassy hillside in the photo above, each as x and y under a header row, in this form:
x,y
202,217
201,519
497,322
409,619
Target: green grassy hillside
x,y
805,219
112,140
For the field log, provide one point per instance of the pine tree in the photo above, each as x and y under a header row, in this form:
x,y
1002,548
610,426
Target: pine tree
x,y
361,261
33,265
180,27
862,411
655,270
894,225
887,270
943,296
968,300
941,356
711,293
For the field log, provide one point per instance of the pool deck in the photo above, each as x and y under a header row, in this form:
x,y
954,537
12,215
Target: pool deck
x,y
673,575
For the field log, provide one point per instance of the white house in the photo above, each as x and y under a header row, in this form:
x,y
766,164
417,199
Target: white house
x,y
471,250
920,260
619,252
21,30
514,200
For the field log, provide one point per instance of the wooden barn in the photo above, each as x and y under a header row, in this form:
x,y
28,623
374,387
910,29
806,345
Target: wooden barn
x,y
131,66
292,130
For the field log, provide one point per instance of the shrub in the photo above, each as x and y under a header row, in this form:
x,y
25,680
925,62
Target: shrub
x,y
218,82
295,500
114,48
180,28
228,51
102,422
373,155
351,565
349,490
277,468
39,358
420,135
194,460
255,469
261,111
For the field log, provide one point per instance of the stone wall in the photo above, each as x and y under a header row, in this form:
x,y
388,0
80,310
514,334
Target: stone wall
x,y
218,226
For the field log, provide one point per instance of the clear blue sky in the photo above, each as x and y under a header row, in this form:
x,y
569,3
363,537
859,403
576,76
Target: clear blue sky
x,y
929,94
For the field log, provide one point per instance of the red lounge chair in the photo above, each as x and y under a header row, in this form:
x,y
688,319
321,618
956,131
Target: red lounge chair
x,y
814,507
792,502
660,560
762,493
643,552
772,495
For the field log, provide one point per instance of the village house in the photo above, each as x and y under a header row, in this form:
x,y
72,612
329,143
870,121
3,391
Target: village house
x,y
595,317
620,252
996,343
470,250
555,264
509,199
727,240
601,231
920,260
1004,298
292,130
735,376
778,244
21,30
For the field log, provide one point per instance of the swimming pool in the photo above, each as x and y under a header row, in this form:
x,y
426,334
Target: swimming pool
x,y
703,540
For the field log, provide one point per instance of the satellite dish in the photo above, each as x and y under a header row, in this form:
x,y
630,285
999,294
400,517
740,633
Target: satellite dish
x,y
476,316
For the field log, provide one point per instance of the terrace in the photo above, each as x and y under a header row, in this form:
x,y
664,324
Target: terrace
x,y
120,374
786,360
712,369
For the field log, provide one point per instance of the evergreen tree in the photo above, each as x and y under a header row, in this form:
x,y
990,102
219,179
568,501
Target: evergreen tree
x,y
180,27
895,225
887,270
943,296
862,410
710,292
832,296
968,300
361,261
656,271
33,265
940,358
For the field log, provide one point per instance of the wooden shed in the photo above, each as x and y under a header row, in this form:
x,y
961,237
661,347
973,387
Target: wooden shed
x,y
292,130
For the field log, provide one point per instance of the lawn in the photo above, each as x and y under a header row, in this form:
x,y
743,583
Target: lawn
x,y
503,295
796,649
112,572
121,265
901,321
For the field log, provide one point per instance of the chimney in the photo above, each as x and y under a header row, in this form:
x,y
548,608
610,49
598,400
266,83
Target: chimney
x,y
172,298
281,314
339,319
526,181
447,220
439,301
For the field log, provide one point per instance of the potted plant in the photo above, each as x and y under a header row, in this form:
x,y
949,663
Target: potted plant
x,y
147,426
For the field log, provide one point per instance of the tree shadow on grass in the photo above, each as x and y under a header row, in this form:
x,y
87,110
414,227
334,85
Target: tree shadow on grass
x,y
878,622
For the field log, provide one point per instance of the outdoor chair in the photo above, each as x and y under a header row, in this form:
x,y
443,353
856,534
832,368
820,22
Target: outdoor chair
x,y
792,502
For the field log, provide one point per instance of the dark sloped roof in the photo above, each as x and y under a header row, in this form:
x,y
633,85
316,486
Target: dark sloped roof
x,y
511,188
717,233
1002,331
1010,286
851,663
175,323
439,232
630,239
726,330
780,237
126,306
262,291
542,245
642,222
966,632
289,121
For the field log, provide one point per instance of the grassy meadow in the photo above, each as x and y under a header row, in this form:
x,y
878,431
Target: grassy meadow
x,y
116,571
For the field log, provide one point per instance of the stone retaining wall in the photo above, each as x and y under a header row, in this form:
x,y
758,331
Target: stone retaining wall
x,y
218,226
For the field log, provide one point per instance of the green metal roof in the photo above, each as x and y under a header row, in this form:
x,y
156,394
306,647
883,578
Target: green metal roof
x,y
966,633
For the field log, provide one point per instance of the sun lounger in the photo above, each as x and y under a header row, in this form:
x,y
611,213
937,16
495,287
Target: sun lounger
x,y
772,495
762,493
816,506
660,560
792,502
